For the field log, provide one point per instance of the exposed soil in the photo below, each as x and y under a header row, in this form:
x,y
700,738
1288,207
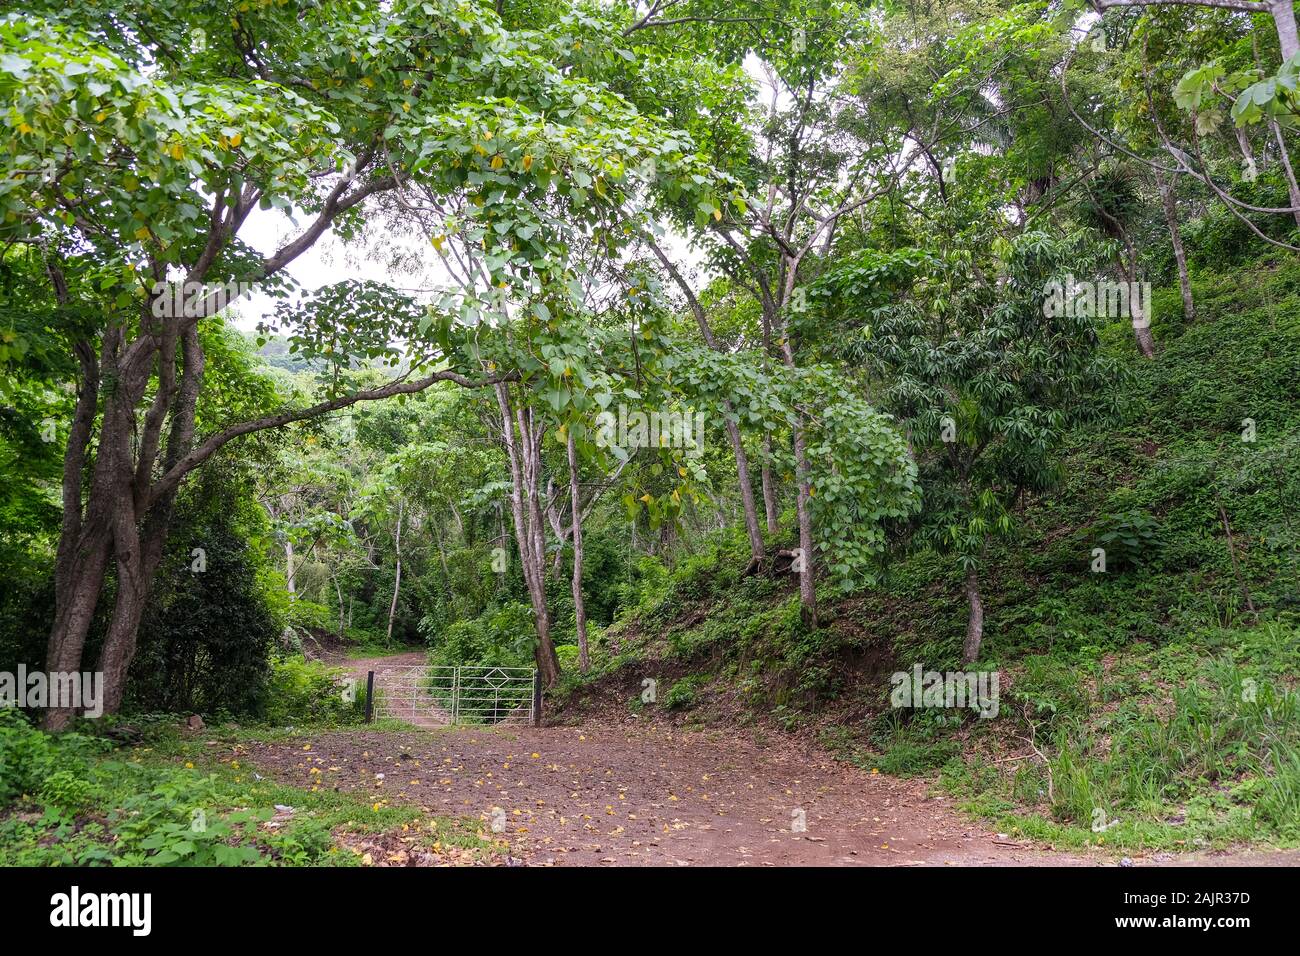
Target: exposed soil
x,y
645,793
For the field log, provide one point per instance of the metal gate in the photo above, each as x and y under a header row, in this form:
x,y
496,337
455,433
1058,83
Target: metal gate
x,y
437,696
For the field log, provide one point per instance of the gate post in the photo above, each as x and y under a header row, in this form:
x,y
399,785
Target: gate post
x,y
370,696
455,693
537,701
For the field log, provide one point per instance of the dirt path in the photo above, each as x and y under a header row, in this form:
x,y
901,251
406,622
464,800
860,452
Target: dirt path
x,y
654,795
395,686
358,667
651,797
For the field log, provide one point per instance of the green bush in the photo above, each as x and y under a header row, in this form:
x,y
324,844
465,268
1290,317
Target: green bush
x,y
30,758
567,654
308,692
500,637
683,695
1129,538
208,629
68,792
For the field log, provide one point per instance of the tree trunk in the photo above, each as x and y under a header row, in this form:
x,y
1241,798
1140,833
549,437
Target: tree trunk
x,y
975,622
133,583
548,665
1184,282
1243,144
1145,340
127,512
1293,188
108,530
288,567
141,519
1283,13
397,577
579,608
77,589
769,486
1141,323
807,586
1180,256
757,550
338,589
85,543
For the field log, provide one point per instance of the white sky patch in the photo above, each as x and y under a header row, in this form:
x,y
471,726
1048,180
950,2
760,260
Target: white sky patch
x,y
329,260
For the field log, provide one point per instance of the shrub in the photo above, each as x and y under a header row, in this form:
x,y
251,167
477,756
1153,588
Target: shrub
x,y
68,792
683,694
1129,538
207,635
501,637
308,692
567,654
30,758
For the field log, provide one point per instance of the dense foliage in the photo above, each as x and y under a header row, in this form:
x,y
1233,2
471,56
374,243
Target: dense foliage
x,y
765,348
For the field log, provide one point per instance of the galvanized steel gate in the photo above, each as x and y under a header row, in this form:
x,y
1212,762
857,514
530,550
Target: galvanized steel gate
x,y
436,696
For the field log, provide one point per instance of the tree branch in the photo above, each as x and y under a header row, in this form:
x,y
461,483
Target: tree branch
x,y
1101,6
197,456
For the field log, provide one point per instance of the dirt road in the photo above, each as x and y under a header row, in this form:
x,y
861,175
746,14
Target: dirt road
x,y
651,794
563,795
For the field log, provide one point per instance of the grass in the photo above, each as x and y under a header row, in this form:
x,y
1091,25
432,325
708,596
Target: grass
x,y
77,801
1149,701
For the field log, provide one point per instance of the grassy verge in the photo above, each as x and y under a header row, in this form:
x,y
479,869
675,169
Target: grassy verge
x,y
1153,705
78,800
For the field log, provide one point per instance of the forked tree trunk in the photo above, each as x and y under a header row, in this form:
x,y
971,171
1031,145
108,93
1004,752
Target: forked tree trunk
x,y
142,520
83,549
579,607
524,464
127,509
107,530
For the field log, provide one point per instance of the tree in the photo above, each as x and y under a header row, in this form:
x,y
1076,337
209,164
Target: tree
x,y
802,183
138,155
1281,11
985,380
